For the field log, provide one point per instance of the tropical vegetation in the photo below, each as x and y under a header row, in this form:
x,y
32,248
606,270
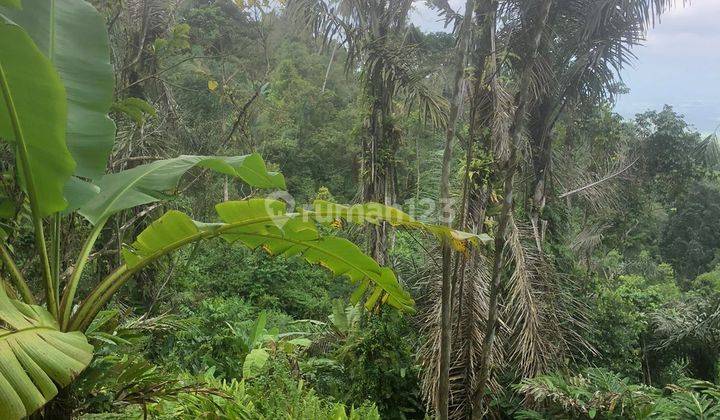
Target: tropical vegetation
x,y
173,242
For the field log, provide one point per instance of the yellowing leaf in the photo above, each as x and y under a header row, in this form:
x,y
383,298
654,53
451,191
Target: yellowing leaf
x,y
212,85
376,213
459,245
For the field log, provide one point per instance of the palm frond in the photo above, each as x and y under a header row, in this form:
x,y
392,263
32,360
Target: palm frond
x,y
397,66
686,322
533,339
588,239
596,184
470,313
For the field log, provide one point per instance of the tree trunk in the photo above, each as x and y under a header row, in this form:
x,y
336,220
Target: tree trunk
x,y
381,147
522,98
447,287
482,107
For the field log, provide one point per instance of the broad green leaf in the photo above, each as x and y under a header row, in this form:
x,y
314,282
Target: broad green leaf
x,y
339,317
170,231
149,183
255,212
78,192
11,3
33,93
72,34
298,236
374,213
255,363
35,357
258,329
253,223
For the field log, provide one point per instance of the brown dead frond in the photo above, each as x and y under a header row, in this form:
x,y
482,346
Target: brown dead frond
x,y
469,324
503,110
585,242
545,321
596,184
533,340
539,324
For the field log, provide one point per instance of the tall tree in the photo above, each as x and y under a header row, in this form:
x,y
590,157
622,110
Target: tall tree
x,y
375,35
529,333
537,22
464,34
587,43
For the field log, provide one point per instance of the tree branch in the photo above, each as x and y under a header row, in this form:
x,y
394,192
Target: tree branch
x,y
600,181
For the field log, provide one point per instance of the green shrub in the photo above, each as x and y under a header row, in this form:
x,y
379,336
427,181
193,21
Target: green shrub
x,y
265,282
379,365
602,394
278,394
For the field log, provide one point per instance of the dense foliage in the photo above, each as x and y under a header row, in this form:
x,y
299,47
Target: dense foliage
x,y
582,280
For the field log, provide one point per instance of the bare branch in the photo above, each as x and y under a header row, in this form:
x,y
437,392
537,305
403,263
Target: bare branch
x,y
600,181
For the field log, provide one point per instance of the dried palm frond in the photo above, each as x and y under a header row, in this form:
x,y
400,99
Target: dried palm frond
x,y
545,318
397,66
472,314
156,12
468,330
330,22
533,341
596,184
538,324
585,242
503,110
542,77
429,322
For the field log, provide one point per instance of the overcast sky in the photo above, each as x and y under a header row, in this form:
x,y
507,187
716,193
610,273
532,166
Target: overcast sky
x,y
679,64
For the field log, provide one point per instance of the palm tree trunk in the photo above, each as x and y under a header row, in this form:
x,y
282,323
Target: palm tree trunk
x,y
522,98
380,154
447,286
418,175
484,76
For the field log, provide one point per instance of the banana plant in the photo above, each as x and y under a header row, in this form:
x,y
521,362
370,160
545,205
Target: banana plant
x,y
56,90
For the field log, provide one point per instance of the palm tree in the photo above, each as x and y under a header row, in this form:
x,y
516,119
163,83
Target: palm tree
x,y
527,329
464,35
375,35
517,127
586,45
61,137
